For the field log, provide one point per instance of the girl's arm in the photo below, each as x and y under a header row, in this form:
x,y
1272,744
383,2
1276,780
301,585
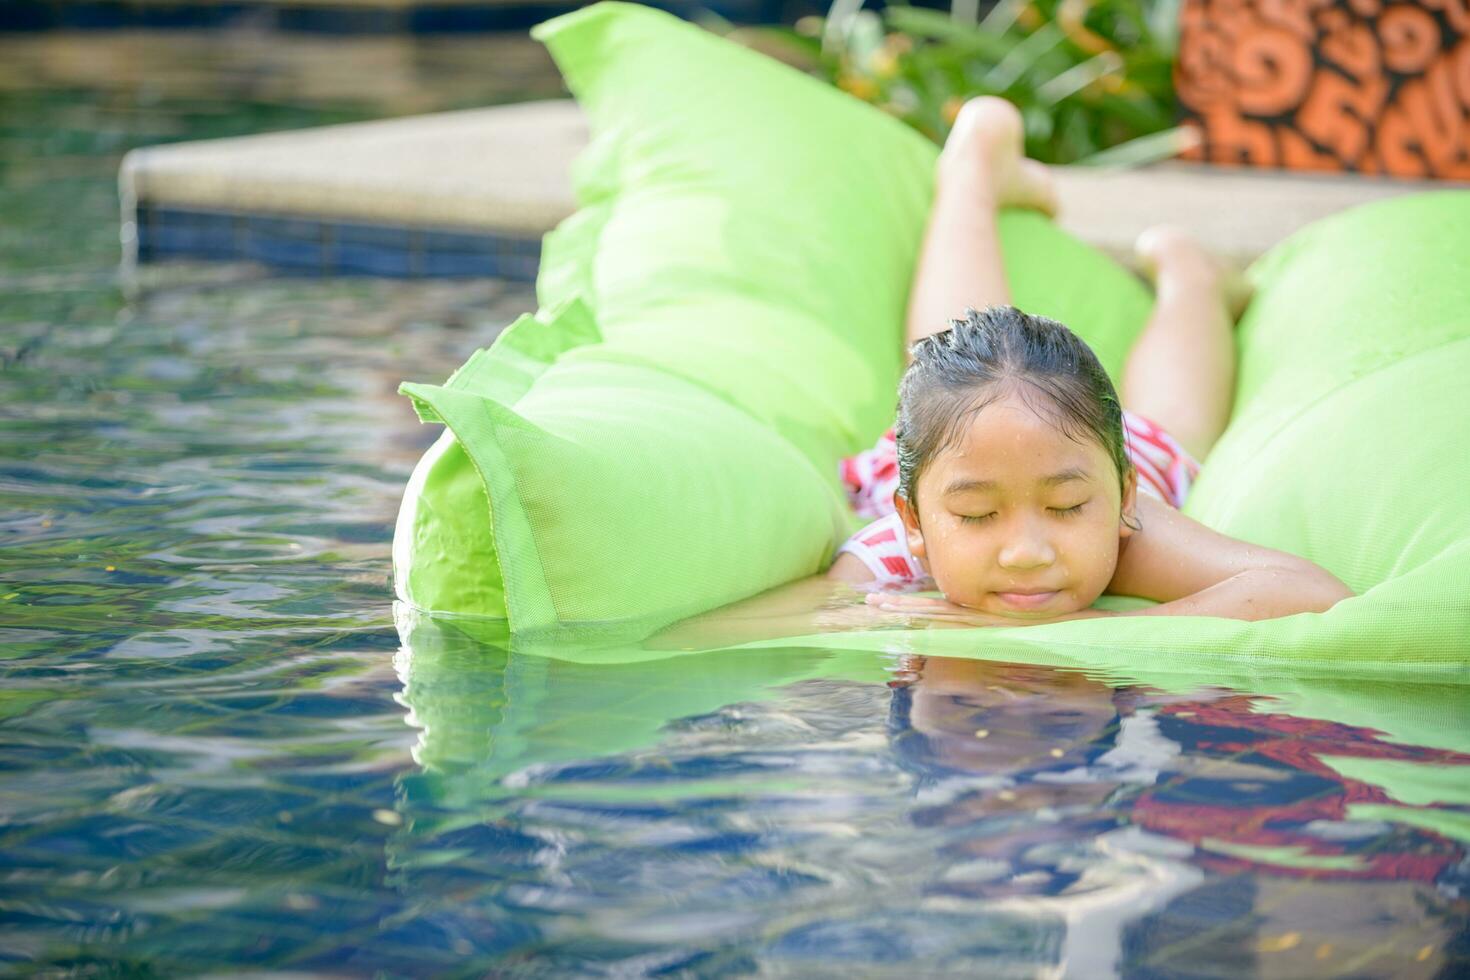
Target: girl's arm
x,y
811,605
1194,571
849,568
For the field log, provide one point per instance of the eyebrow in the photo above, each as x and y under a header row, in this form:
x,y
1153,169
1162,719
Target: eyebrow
x,y
967,486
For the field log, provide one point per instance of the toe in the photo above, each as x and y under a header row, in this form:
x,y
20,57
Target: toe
x,y
1162,245
1038,188
989,123
1157,241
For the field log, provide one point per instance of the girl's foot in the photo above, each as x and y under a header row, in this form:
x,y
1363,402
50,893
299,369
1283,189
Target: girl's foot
x,y
985,155
1170,257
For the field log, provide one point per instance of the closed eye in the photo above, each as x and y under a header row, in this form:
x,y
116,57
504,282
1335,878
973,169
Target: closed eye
x,y
977,518
1066,511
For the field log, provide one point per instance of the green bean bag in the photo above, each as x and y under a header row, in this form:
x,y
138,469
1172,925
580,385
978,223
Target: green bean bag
x,y
722,320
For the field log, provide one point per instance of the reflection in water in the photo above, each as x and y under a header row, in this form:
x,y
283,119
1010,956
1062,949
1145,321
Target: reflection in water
x,y
795,809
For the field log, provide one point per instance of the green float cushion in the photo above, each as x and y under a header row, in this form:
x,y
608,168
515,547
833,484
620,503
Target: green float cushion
x,y
737,273
733,292
603,504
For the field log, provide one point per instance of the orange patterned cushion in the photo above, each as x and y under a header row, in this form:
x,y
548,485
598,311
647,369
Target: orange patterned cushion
x,y
1379,88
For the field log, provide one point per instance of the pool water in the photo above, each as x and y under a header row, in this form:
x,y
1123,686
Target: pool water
x,y
222,749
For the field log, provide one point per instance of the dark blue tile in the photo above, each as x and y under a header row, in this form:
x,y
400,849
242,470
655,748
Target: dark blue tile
x,y
334,248
172,233
370,250
290,243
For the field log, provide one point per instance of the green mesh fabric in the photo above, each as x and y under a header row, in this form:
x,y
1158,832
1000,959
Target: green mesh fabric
x,y
722,320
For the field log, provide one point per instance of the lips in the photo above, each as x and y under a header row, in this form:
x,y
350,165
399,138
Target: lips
x,y
1027,599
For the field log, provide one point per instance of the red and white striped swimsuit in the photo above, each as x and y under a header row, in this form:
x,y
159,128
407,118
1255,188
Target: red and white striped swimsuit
x,y
1165,470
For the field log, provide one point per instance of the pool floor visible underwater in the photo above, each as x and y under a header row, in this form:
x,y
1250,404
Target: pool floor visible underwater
x,y
219,752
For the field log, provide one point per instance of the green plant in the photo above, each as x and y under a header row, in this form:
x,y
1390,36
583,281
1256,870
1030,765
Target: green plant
x,y
1093,78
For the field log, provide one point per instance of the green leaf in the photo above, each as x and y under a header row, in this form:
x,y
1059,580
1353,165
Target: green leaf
x,y
1144,149
1023,56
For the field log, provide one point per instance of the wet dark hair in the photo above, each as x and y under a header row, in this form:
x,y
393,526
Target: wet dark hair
x,y
922,754
987,353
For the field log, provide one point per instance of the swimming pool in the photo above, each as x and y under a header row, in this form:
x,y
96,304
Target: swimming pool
x,y
220,749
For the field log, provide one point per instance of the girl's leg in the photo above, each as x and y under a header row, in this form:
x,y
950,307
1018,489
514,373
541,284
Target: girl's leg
x,y
1181,371
983,168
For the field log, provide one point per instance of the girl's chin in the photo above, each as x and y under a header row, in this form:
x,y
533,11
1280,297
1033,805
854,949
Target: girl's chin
x,y
1023,608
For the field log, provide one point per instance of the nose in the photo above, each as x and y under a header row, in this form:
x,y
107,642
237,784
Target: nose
x,y
1027,546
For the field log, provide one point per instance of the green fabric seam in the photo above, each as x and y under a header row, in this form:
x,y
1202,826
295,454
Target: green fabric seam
x,y
496,463
420,395
489,365
547,33
502,486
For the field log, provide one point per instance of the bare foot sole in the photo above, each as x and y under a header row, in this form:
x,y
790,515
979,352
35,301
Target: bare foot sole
x,y
985,152
1168,253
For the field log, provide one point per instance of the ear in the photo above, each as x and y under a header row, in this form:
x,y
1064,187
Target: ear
x,y
1129,515
910,517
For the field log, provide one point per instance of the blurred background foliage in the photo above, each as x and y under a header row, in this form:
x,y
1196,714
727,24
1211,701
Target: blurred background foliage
x,y
1093,78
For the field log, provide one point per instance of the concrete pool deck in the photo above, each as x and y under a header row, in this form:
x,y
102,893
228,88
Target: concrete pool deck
x,y
472,192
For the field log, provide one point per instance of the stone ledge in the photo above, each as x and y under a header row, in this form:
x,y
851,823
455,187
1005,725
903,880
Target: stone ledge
x,y
1235,212
503,168
503,172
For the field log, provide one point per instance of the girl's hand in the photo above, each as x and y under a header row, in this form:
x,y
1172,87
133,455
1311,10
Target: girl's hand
x,y
849,616
942,610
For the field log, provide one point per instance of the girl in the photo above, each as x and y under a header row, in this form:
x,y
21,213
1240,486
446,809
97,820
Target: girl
x,y
1013,479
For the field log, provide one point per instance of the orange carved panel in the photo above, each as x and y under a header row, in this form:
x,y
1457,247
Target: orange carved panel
x,y
1363,85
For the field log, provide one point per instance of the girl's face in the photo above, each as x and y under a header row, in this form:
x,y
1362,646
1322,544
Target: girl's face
x,y
1016,519
1024,712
